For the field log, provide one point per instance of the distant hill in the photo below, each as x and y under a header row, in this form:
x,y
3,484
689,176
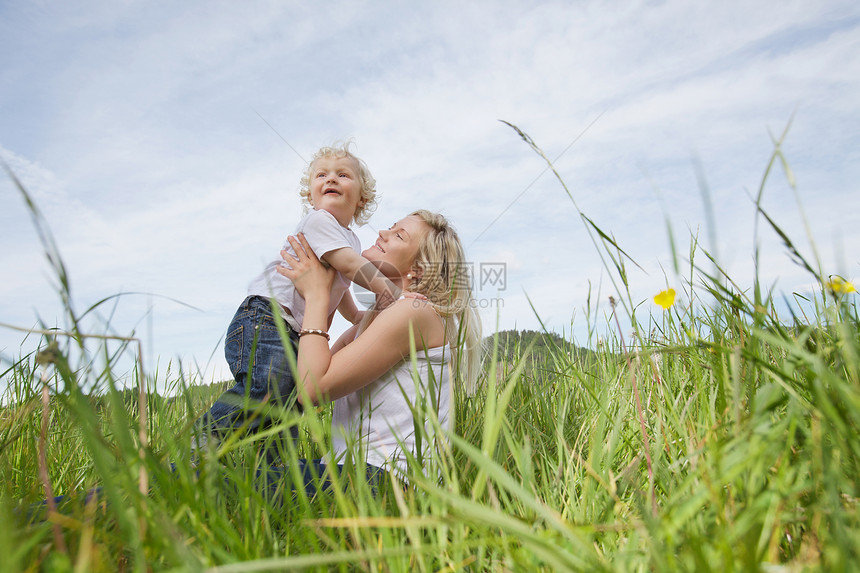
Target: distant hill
x,y
513,344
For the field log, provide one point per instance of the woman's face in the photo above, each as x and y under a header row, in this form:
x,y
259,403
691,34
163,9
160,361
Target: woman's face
x,y
396,248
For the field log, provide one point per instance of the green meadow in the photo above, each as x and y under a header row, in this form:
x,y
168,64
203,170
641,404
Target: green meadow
x,y
723,435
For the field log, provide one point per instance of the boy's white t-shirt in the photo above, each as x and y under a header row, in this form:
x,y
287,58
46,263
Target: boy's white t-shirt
x,y
324,234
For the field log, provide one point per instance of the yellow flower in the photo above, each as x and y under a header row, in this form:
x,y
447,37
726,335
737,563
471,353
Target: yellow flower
x,y
839,286
665,299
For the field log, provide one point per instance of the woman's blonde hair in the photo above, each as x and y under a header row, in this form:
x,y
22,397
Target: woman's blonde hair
x,y
367,204
443,275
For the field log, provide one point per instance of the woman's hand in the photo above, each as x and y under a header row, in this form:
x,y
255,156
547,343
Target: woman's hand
x,y
305,270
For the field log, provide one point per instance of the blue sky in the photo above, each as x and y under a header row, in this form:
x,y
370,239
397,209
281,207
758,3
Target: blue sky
x,y
142,130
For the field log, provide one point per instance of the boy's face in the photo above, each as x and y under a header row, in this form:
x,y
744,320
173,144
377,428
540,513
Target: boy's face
x,y
335,186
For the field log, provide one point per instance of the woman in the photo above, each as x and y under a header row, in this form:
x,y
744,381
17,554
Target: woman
x,y
380,391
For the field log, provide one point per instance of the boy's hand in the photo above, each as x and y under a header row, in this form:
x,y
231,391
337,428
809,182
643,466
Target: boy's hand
x,y
387,298
410,294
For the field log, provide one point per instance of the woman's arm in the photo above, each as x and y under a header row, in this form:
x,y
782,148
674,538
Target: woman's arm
x,y
375,351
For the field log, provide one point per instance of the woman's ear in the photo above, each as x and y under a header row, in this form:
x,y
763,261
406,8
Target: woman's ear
x,y
416,273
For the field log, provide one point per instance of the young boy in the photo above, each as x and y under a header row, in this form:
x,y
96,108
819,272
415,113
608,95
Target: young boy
x,y
340,190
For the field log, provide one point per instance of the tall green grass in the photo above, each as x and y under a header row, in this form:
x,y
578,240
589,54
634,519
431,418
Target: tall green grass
x,y
721,437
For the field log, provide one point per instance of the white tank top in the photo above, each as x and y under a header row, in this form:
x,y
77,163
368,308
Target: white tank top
x,y
380,414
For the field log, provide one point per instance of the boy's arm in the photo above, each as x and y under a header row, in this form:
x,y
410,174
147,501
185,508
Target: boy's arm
x,y
361,271
344,339
348,309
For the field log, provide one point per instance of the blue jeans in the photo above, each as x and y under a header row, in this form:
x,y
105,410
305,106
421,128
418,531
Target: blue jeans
x,y
272,481
258,362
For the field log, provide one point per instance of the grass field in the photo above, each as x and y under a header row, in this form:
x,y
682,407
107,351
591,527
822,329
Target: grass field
x,y
722,437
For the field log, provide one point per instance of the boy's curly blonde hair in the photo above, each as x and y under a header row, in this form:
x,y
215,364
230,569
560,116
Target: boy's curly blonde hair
x,y
367,203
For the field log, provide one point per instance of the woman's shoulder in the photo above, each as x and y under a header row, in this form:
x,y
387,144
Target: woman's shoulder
x,y
394,330
421,313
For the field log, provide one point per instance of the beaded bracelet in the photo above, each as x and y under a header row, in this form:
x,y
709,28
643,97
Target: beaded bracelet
x,y
314,331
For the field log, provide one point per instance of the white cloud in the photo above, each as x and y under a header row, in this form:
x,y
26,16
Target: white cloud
x,y
135,127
